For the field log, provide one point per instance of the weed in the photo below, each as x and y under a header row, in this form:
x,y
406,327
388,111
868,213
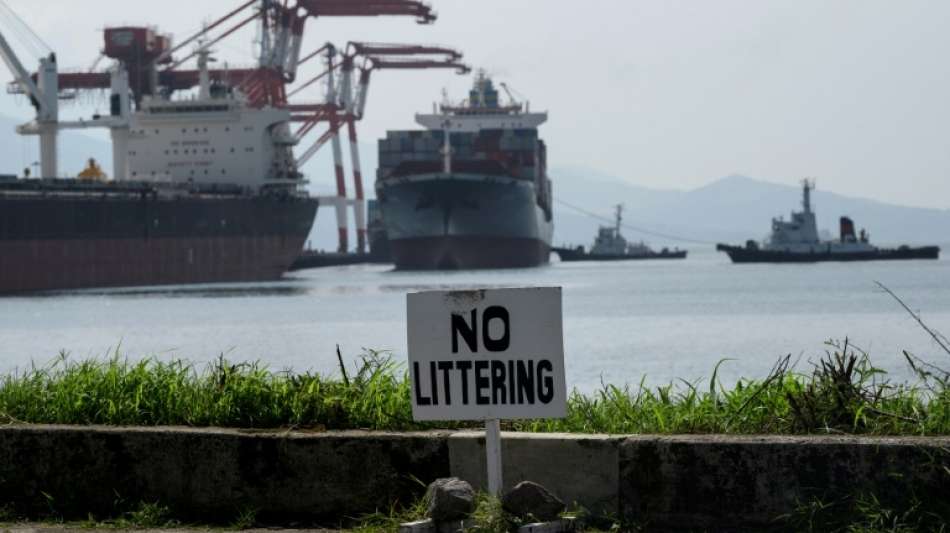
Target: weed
x,y
7,513
864,513
147,516
246,519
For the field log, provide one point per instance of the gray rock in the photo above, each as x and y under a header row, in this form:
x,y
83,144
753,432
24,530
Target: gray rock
x,y
530,499
450,499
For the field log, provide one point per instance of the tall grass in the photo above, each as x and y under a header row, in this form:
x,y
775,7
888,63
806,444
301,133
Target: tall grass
x,y
841,392
117,391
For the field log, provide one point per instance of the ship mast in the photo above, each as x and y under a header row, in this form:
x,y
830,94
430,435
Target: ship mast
x,y
807,187
619,208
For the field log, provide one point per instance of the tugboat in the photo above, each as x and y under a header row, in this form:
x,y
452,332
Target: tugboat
x,y
797,241
610,245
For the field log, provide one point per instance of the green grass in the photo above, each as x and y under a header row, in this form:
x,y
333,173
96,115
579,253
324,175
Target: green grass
x,y
841,392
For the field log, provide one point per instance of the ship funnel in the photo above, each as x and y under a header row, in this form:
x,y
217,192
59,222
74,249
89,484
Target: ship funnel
x,y
847,230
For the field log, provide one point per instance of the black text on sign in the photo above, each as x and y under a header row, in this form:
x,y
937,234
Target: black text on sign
x,y
487,354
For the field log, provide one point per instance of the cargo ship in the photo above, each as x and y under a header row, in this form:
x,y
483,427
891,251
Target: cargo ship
x,y
470,191
205,189
610,245
797,241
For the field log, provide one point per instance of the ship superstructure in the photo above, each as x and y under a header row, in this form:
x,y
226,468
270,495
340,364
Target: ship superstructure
x,y
469,191
797,240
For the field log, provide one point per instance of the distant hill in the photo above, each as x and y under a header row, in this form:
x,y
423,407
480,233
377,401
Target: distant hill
x,y
733,208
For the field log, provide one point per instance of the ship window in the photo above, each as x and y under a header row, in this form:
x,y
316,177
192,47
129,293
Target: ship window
x,y
176,152
183,130
206,130
226,128
206,172
156,132
232,150
223,172
197,130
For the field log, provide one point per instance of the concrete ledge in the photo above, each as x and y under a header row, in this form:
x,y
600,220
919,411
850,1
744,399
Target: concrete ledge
x,y
215,473
696,482
716,481
578,469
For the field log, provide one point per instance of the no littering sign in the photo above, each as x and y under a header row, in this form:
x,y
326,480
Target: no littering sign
x,y
486,354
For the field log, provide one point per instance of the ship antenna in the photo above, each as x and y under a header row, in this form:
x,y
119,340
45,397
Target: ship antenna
x,y
619,218
807,187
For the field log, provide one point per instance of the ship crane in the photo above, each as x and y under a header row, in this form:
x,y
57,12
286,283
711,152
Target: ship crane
x,y
345,106
43,89
44,95
149,56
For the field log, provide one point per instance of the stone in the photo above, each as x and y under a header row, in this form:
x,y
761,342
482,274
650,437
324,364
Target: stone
x,y
450,499
529,499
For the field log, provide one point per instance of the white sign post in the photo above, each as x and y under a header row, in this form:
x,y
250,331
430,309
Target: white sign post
x,y
487,355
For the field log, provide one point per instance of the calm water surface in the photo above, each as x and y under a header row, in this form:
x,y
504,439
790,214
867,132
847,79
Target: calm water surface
x,y
660,319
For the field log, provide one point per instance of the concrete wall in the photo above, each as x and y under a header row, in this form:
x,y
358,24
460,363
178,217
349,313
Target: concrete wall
x,y
663,482
214,474
699,482
580,469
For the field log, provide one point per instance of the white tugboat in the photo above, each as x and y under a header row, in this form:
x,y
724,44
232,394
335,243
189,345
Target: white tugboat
x,y
610,245
797,241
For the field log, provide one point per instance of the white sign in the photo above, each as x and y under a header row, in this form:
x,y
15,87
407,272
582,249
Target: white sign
x,y
487,354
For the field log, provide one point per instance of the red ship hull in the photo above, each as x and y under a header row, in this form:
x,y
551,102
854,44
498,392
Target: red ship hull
x,y
122,236
29,266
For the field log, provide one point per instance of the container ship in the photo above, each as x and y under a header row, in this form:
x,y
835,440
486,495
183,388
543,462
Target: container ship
x,y
797,241
205,190
471,190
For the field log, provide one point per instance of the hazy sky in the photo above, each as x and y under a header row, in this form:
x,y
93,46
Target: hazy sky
x,y
662,93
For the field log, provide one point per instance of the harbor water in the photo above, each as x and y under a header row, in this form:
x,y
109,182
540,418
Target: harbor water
x,y
661,320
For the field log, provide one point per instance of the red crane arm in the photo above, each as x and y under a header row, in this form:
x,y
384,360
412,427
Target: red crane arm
x,y
368,8
408,64
378,49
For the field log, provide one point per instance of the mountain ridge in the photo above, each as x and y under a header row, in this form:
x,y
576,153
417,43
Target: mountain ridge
x,y
732,208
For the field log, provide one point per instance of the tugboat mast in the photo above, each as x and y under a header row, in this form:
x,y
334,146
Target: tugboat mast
x,y
807,187
619,208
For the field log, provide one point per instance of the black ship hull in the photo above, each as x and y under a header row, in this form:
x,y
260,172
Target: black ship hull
x,y
464,221
740,254
573,254
73,237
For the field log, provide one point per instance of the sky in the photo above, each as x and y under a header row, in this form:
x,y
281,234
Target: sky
x,y
663,93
